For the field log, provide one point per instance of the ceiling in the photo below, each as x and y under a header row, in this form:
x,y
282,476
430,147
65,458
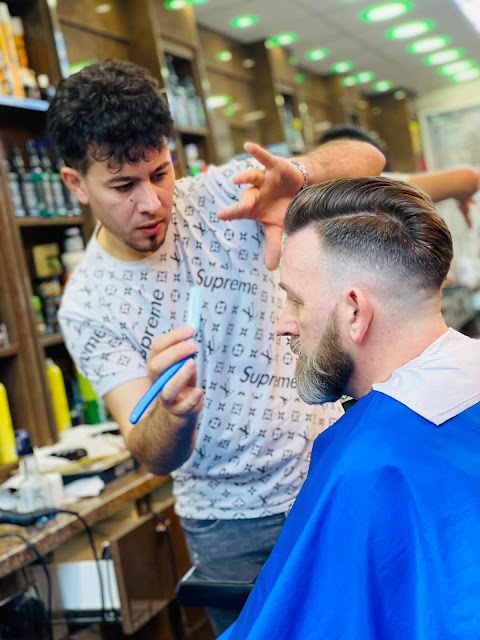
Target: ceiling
x,y
336,25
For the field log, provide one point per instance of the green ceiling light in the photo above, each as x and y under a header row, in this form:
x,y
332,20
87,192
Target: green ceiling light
x,y
224,56
281,40
456,67
386,11
443,57
244,22
426,45
464,76
317,54
175,5
194,2
364,76
410,30
300,78
341,67
382,85
349,81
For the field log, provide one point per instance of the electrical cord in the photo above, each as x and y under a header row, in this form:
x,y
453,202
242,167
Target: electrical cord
x,y
41,515
91,541
33,547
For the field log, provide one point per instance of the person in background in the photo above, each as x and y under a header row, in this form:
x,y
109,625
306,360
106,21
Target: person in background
x,y
382,541
459,183
238,445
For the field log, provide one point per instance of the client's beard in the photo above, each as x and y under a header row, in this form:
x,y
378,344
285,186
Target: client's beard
x,y
323,376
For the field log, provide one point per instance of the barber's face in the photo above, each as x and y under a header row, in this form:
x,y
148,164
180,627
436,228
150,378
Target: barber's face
x,y
133,203
310,318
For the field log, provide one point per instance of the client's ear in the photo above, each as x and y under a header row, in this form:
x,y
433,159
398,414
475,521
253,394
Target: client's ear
x,y
75,183
359,314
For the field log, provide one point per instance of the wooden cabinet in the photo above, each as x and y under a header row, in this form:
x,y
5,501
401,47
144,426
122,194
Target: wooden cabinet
x,y
166,43
57,37
22,359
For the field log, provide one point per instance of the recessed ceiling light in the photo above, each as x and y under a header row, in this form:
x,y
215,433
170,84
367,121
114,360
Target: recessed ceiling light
x,y
341,67
243,22
300,78
105,7
317,54
364,76
175,5
224,56
456,67
386,11
471,10
349,81
463,76
382,85
197,2
428,44
214,102
400,94
410,29
444,56
281,40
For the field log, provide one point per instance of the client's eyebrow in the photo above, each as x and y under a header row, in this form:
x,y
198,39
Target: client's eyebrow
x,y
290,292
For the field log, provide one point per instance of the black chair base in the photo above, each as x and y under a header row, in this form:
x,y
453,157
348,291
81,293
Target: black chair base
x,y
194,592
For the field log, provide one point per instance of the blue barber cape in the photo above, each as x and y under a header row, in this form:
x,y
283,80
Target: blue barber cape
x,y
383,541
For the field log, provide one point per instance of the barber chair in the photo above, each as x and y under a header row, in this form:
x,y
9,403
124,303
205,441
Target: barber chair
x,y
192,591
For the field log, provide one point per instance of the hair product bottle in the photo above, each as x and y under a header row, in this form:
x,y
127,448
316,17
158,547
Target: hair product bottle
x,y
8,453
58,395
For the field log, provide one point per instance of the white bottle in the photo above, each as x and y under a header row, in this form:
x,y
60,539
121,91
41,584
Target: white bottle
x,y
34,491
73,250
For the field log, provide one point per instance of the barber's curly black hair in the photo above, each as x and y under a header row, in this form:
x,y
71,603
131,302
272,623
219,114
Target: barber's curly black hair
x,y
108,111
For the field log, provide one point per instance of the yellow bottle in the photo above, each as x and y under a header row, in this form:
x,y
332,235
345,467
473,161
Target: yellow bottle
x,y
58,395
8,453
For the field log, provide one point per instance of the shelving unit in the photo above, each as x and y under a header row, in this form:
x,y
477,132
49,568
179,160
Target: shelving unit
x,y
22,360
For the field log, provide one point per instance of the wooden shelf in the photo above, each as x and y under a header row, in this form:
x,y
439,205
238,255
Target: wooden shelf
x,y
51,339
27,104
8,352
189,131
55,221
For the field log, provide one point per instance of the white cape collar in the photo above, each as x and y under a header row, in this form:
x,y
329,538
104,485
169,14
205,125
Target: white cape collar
x,y
442,382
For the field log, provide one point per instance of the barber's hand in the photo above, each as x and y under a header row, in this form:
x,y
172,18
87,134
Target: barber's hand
x,y
180,397
266,199
464,206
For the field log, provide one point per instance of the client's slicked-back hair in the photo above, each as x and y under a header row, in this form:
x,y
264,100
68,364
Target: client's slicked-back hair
x,y
381,224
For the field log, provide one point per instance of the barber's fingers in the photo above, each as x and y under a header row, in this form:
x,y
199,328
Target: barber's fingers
x,y
262,155
273,246
243,207
181,395
169,338
169,349
252,176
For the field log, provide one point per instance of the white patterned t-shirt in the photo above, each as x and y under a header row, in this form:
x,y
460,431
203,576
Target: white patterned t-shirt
x,y
254,435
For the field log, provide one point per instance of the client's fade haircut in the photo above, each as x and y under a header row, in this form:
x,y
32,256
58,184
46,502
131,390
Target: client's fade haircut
x,y
108,111
379,224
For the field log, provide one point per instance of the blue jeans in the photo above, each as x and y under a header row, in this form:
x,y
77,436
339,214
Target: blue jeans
x,y
233,550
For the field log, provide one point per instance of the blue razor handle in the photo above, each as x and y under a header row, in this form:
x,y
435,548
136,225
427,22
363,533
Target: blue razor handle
x,y
193,320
